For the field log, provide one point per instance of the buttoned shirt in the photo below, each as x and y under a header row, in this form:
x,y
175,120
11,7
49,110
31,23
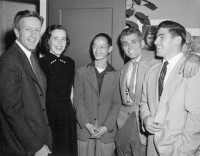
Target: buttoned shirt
x,y
26,51
129,73
172,62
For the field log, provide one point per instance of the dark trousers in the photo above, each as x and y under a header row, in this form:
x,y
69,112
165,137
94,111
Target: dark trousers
x,y
127,139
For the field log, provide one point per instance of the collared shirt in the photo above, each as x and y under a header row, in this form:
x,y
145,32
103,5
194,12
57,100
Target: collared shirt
x,y
100,76
172,62
129,73
26,51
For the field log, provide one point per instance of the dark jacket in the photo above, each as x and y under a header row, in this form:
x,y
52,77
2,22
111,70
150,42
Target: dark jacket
x,y
24,124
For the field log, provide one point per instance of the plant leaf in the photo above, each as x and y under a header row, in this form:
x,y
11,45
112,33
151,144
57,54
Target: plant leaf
x,y
131,24
142,18
150,5
129,12
138,2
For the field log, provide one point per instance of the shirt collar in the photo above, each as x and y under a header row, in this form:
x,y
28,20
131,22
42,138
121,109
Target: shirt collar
x,y
137,60
109,68
172,62
26,51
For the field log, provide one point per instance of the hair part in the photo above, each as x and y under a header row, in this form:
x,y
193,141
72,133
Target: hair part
x,y
26,13
106,36
175,29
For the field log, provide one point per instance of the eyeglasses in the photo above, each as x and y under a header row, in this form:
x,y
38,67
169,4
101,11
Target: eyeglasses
x,y
100,47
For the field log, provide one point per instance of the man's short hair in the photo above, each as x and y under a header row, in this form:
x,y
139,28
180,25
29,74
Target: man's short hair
x,y
129,31
175,29
26,13
106,36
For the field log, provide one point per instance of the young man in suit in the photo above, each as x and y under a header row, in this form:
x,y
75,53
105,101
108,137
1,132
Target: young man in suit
x,y
130,139
24,125
170,107
97,101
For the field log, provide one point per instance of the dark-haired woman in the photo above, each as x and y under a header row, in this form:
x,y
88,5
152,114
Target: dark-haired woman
x,y
59,70
149,38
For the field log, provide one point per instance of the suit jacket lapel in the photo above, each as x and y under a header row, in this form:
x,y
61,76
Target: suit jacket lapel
x,y
141,69
168,91
143,65
123,79
30,72
153,87
28,69
91,76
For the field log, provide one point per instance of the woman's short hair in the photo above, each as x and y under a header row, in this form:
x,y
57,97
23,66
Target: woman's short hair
x,y
47,34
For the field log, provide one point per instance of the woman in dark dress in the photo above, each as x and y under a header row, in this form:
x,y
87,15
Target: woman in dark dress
x,y
59,71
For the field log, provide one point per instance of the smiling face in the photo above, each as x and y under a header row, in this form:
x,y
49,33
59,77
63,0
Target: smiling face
x,y
150,39
100,48
165,43
132,45
57,41
28,33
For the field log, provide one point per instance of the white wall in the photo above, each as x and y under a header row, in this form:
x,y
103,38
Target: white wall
x,y
43,13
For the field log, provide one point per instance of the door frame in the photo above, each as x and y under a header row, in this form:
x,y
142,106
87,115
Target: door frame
x,y
43,13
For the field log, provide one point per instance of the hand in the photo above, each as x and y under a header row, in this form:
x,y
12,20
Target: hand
x,y
150,126
102,131
197,153
91,128
191,66
44,151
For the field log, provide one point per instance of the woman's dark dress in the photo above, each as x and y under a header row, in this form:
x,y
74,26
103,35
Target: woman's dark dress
x,y
59,72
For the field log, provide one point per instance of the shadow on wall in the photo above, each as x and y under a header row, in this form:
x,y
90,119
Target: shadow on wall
x,y
9,38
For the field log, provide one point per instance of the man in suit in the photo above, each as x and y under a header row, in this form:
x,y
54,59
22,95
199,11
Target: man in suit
x,y
24,125
97,101
130,139
170,107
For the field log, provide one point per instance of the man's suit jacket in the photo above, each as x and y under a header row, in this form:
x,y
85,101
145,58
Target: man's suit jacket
x,y
178,110
24,124
146,61
91,105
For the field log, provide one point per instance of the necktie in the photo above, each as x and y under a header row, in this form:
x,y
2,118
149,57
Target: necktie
x,y
36,68
161,78
132,80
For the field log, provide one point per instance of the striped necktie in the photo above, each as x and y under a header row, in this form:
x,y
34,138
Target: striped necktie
x,y
161,78
132,81
36,69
